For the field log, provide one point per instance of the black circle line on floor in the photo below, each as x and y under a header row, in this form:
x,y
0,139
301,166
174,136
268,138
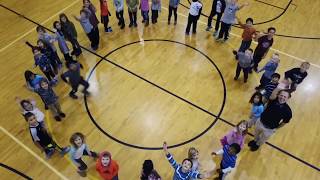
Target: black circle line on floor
x,y
163,89
264,22
15,171
221,119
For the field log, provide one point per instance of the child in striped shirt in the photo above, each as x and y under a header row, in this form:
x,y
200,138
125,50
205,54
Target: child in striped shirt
x,y
229,158
269,87
183,171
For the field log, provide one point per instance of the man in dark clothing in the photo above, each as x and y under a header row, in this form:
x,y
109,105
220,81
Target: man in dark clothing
x,y
297,75
264,44
74,77
274,117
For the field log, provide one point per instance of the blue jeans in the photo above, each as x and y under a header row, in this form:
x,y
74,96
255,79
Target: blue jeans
x,y
145,15
244,45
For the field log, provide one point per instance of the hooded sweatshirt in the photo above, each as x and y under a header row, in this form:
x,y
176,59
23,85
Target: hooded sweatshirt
x,y
107,172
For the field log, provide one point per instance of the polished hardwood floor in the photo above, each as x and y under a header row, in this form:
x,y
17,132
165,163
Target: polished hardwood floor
x,y
162,88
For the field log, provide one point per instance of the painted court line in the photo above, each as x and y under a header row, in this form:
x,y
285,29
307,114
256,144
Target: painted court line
x,y
33,29
276,50
33,153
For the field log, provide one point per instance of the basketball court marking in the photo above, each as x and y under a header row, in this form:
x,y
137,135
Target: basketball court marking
x,y
15,171
33,153
276,50
33,29
190,103
238,36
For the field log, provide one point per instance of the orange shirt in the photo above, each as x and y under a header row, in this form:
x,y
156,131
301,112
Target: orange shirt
x,y
248,32
104,8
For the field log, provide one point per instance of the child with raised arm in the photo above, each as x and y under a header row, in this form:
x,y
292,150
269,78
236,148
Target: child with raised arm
x,y
183,171
269,69
78,149
248,33
42,138
50,99
229,158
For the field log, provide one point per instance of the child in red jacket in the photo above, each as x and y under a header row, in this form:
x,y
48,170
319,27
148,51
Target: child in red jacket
x,y
107,168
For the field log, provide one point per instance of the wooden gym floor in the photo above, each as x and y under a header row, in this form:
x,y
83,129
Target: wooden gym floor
x,y
155,84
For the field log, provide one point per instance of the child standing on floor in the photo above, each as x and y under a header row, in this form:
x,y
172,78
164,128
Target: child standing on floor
x,y
183,171
62,42
48,52
119,5
228,18
78,149
42,138
50,99
173,6
32,80
257,108
218,7
88,28
156,8
48,40
144,6
269,87
75,79
132,10
194,15
268,69
248,33
297,75
193,154
70,33
105,15
148,173
29,105
107,167
229,158
236,135
43,62
244,63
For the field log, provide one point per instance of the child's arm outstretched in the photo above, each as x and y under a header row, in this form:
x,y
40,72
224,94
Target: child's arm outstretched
x,y
169,156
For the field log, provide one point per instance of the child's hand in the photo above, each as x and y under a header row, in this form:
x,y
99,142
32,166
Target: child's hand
x,y
165,147
17,98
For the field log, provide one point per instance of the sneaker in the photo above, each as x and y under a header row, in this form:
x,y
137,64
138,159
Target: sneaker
x,y
46,107
130,25
82,173
194,32
147,23
143,21
109,29
224,40
57,118
245,81
86,93
215,33
135,24
235,78
187,34
208,28
219,39
50,153
122,26
254,147
234,52
73,96
63,115
64,150
168,22
251,143
119,23
175,22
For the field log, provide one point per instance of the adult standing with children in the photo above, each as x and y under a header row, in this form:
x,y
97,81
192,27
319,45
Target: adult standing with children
x,y
276,115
